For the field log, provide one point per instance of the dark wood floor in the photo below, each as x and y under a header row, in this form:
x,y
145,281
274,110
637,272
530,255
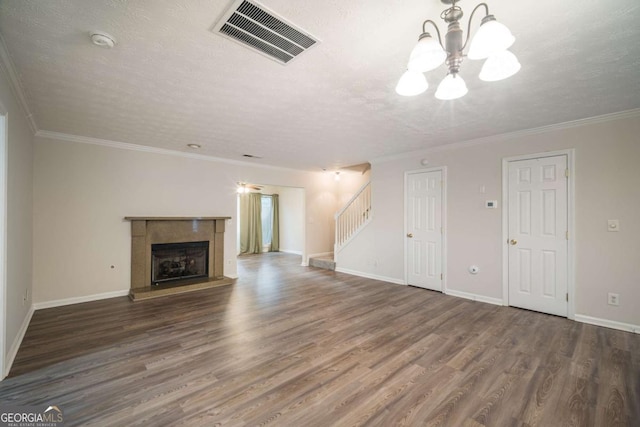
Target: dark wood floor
x,y
296,346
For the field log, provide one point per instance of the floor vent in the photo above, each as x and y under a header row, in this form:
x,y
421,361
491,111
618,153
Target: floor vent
x,y
255,27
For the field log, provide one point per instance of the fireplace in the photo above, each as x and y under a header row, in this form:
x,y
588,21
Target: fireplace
x,y
171,255
175,262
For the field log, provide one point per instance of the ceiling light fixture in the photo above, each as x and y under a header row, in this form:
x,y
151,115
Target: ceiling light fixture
x,y
490,42
196,146
102,39
242,188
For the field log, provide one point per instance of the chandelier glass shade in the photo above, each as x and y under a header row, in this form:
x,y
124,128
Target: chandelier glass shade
x,y
499,66
427,55
490,42
412,83
492,37
451,87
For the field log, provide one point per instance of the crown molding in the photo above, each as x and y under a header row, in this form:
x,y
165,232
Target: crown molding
x,y
511,135
59,136
6,65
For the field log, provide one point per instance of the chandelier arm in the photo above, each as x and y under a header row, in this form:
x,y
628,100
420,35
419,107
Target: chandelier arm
x,y
471,19
424,30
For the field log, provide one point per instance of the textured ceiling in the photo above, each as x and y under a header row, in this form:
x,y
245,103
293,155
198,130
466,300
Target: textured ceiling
x,y
170,81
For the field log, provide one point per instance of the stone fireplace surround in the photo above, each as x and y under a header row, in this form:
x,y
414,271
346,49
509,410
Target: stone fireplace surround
x,y
146,231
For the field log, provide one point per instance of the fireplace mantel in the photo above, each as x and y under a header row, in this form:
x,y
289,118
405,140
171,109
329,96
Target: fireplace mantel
x,y
148,230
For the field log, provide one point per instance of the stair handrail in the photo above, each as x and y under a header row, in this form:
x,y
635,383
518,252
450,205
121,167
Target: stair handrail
x,y
349,222
355,196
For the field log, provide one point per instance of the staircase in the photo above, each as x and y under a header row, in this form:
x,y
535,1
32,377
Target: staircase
x,y
325,261
355,215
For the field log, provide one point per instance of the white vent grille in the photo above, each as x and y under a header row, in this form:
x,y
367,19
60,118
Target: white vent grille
x,y
251,24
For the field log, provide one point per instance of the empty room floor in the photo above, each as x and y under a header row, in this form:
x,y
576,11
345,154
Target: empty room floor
x,y
299,346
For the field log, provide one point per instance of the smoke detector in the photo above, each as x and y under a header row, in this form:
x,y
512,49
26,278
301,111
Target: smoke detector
x,y
102,39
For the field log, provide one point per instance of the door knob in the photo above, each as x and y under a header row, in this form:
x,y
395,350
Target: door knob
x,y
409,235
513,242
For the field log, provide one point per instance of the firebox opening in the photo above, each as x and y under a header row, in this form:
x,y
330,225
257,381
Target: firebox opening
x,y
173,262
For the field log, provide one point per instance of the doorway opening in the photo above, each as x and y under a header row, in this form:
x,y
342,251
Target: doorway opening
x,y
273,221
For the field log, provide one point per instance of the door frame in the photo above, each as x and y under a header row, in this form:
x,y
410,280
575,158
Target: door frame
x,y
443,170
570,153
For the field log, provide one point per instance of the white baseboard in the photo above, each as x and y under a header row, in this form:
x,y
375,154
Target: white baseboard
x,y
627,327
231,276
291,251
474,297
77,300
370,276
15,346
321,254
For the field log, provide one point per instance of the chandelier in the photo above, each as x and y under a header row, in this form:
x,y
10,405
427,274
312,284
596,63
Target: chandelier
x,y
490,42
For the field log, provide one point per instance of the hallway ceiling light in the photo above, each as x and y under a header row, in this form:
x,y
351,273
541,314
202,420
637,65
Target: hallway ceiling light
x,y
102,39
490,42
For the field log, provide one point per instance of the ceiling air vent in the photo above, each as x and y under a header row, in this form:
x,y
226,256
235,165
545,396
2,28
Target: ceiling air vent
x,y
257,28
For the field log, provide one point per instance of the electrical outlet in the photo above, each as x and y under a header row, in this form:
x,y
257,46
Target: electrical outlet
x,y
613,299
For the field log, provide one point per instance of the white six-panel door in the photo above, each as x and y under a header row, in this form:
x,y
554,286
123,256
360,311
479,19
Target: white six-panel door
x,y
424,229
537,228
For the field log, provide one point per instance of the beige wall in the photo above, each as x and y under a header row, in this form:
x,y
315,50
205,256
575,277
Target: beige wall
x,y
19,214
607,179
82,192
291,219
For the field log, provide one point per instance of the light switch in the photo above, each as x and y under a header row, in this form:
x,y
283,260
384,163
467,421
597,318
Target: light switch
x,y
613,225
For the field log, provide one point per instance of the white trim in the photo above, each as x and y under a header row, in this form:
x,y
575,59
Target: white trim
x,y
78,300
148,149
474,297
232,276
320,254
511,135
6,65
628,327
370,276
443,214
291,251
571,203
17,342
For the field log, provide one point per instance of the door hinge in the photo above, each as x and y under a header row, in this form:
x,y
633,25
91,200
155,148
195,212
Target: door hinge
x,y
567,235
441,276
567,297
566,173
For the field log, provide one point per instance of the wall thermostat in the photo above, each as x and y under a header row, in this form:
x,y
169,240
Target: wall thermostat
x,y
491,204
